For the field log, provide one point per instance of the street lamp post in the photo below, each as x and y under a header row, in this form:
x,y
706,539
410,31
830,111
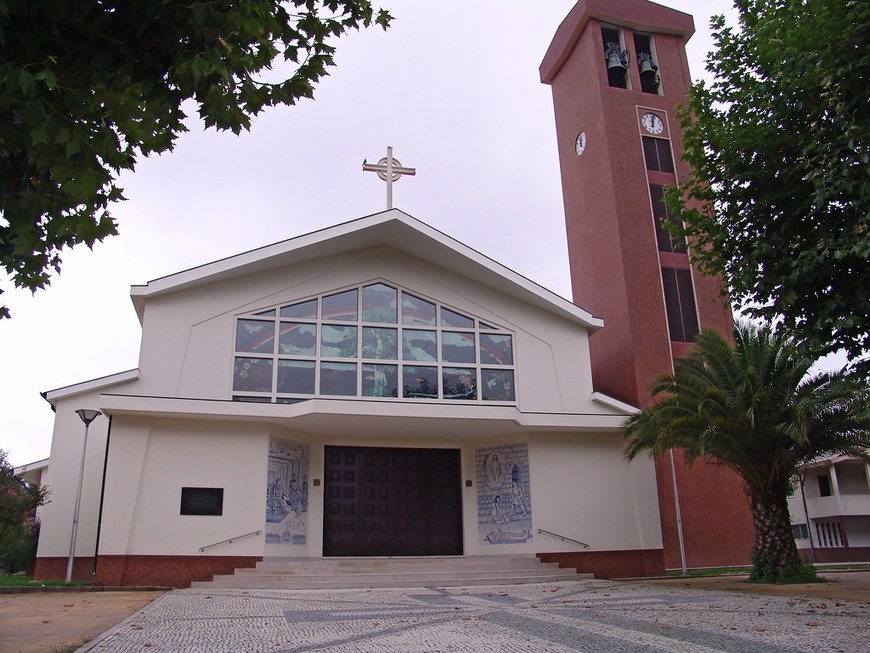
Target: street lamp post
x,y
87,416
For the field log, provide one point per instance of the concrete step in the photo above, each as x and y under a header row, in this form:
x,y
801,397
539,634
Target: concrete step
x,y
347,573
367,583
376,565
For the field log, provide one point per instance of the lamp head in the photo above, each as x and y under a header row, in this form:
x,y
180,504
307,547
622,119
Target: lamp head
x,y
88,415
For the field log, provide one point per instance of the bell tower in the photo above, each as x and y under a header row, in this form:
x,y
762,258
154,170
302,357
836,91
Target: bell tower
x,y
618,72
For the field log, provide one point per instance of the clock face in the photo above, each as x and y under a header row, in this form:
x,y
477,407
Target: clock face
x,y
652,123
580,143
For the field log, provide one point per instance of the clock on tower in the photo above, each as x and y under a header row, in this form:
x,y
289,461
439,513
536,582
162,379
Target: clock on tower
x,y
618,72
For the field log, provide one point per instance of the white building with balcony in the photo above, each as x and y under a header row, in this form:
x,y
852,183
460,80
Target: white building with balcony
x,y
830,511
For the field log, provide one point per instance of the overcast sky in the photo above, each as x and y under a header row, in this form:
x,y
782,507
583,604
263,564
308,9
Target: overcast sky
x,y
452,86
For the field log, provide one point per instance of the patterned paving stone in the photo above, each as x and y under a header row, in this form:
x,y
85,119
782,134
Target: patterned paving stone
x,y
587,616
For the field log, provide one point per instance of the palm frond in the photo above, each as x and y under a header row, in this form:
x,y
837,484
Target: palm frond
x,y
752,407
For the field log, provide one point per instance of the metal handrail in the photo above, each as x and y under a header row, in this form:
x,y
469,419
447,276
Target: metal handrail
x,y
230,540
564,538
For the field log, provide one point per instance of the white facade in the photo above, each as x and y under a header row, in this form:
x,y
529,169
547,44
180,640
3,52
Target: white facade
x,y
550,442
830,511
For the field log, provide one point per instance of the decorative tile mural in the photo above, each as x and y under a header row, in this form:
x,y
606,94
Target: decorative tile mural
x,y
504,507
287,493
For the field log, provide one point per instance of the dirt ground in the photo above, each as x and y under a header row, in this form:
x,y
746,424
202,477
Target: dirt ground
x,y
60,622
840,586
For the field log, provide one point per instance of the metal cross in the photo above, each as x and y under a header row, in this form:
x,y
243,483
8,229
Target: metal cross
x,y
389,170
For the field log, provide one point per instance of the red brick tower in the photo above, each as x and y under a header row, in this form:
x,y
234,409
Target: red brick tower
x,y
618,72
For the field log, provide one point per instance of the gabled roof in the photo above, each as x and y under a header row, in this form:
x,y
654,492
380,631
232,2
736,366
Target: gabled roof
x,y
392,228
52,396
639,15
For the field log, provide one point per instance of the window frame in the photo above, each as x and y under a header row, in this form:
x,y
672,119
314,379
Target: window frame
x,y
655,151
680,306
665,240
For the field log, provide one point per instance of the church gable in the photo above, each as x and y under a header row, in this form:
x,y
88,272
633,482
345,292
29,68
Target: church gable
x,y
421,321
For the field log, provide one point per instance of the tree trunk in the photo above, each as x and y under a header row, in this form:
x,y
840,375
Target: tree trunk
x,y
775,549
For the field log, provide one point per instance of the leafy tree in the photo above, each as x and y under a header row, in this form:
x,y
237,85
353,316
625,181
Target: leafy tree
x,y
780,146
19,527
86,87
752,407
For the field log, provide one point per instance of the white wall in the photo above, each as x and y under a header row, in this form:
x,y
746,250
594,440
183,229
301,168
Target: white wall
x,y
63,477
152,459
584,489
580,487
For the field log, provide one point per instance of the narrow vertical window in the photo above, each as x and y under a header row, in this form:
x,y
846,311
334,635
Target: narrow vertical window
x,y
657,154
647,66
615,57
680,305
667,242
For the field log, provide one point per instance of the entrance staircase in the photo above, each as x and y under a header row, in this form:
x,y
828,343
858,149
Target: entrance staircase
x,y
348,573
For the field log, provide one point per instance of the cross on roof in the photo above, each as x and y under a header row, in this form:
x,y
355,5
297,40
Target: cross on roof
x,y
389,170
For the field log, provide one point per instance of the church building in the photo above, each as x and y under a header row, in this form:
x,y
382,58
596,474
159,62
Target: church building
x,y
379,389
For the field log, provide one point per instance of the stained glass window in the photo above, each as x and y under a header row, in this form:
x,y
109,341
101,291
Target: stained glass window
x,y
252,375
496,349
255,336
420,382
419,345
298,339
457,347
417,311
380,343
380,381
341,306
379,304
338,341
459,383
338,378
296,377
453,319
302,310
372,341
497,385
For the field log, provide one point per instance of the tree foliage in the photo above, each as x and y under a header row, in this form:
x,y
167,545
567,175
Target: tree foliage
x,y
18,524
780,146
88,86
752,407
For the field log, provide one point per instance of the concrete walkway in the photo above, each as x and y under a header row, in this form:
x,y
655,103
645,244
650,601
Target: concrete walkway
x,y
589,615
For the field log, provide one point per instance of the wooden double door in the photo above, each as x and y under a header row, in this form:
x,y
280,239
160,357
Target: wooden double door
x,y
392,502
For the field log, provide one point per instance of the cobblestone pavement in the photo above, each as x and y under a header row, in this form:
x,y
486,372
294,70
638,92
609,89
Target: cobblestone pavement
x,y
595,616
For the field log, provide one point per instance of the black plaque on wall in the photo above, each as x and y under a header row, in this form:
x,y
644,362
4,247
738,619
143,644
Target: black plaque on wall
x,y
202,501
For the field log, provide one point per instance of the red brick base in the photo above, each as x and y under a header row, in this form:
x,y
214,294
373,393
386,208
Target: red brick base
x,y
837,554
144,571
611,564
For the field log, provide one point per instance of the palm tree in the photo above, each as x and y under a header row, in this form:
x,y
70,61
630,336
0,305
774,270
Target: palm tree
x,y
753,407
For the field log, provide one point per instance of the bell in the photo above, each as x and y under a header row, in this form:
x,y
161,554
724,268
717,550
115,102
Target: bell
x,y
647,68
614,58
614,61
649,73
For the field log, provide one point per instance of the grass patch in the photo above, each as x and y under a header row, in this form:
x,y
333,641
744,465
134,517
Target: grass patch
x,y
846,566
20,580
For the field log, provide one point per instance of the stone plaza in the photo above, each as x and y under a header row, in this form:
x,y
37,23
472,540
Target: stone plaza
x,y
594,616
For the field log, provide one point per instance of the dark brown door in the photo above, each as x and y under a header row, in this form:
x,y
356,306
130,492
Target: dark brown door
x,y
392,502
